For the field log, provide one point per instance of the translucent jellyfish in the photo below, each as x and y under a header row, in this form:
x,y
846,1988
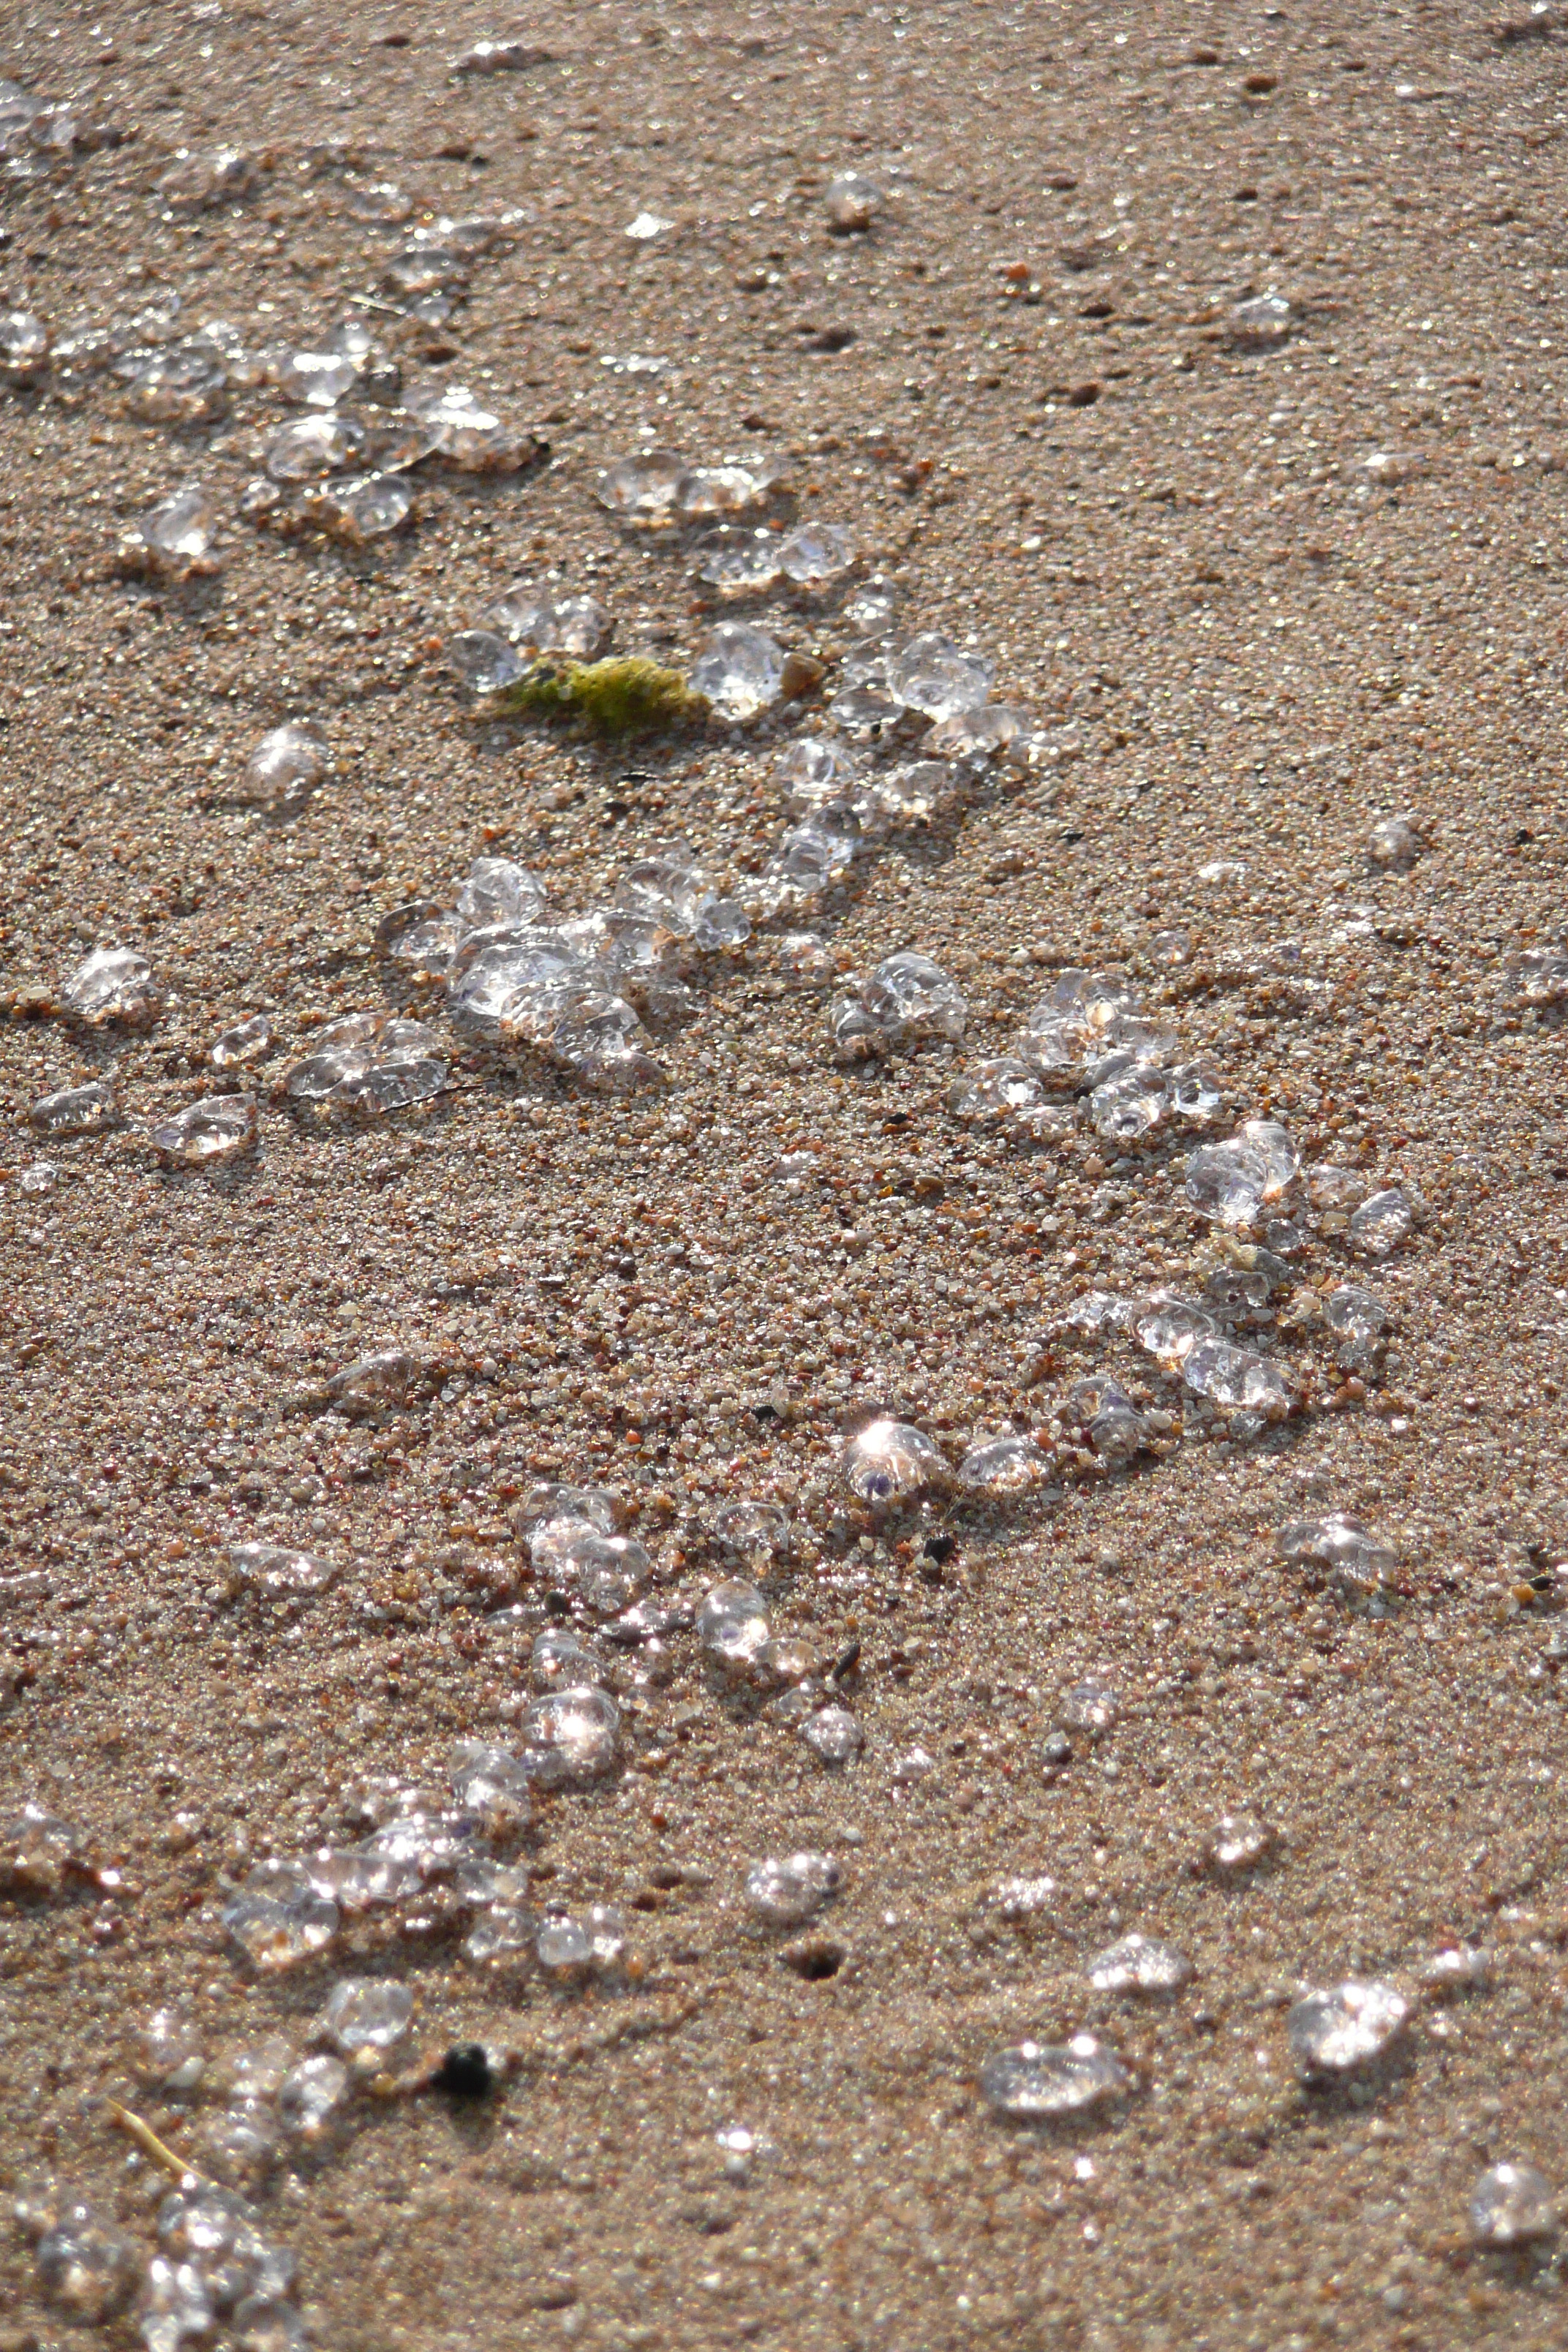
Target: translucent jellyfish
x,y
310,2094
1034,2080
913,998
574,1734
933,675
1383,1221
219,1126
739,670
1138,1964
1345,2026
852,203
115,985
1233,1181
786,1891
275,1568
1237,1378
732,1624
76,1110
1510,2204
892,1461
1006,1466
367,2013
1339,1542
834,1735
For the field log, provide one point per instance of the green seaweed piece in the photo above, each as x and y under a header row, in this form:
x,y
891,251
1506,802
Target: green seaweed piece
x,y
620,696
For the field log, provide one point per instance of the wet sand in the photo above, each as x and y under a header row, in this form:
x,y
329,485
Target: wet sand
x,y
1020,393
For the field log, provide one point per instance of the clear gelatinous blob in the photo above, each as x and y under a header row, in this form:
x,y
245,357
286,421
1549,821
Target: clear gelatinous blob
x,y
805,958
502,1934
499,891
643,489
1234,1180
312,446
310,2094
851,204
1339,1542
372,1383
1034,2080
732,1624
572,1734
739,670
1006,1466
217,1128
76,1110
973,735
265,2324
785,1891
1458,1968
601,1506
499,57
1381,1222
1394,844
1354,1313
833,1734
740,563
575,626
202,183
1511,2204
999,1089
178,388
485,662
891,1461
1089,1705
490,1780
311,379
279,1919
559,1657
1100,1311
1345,2025
469,435
910,792
114,985
169,2049
1138,1964
358,510
720,923
1246,1282
933,675
913,998
812,553
24,345
174,2304
1237,1378
871,605
600,1036
606,1573
1333,1188
1538,976
248,1041
369,1061
35,1848
1170,1326
367,2013
1170,948
84,2264
273,1568
1239,1842
754,1531
1261,323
